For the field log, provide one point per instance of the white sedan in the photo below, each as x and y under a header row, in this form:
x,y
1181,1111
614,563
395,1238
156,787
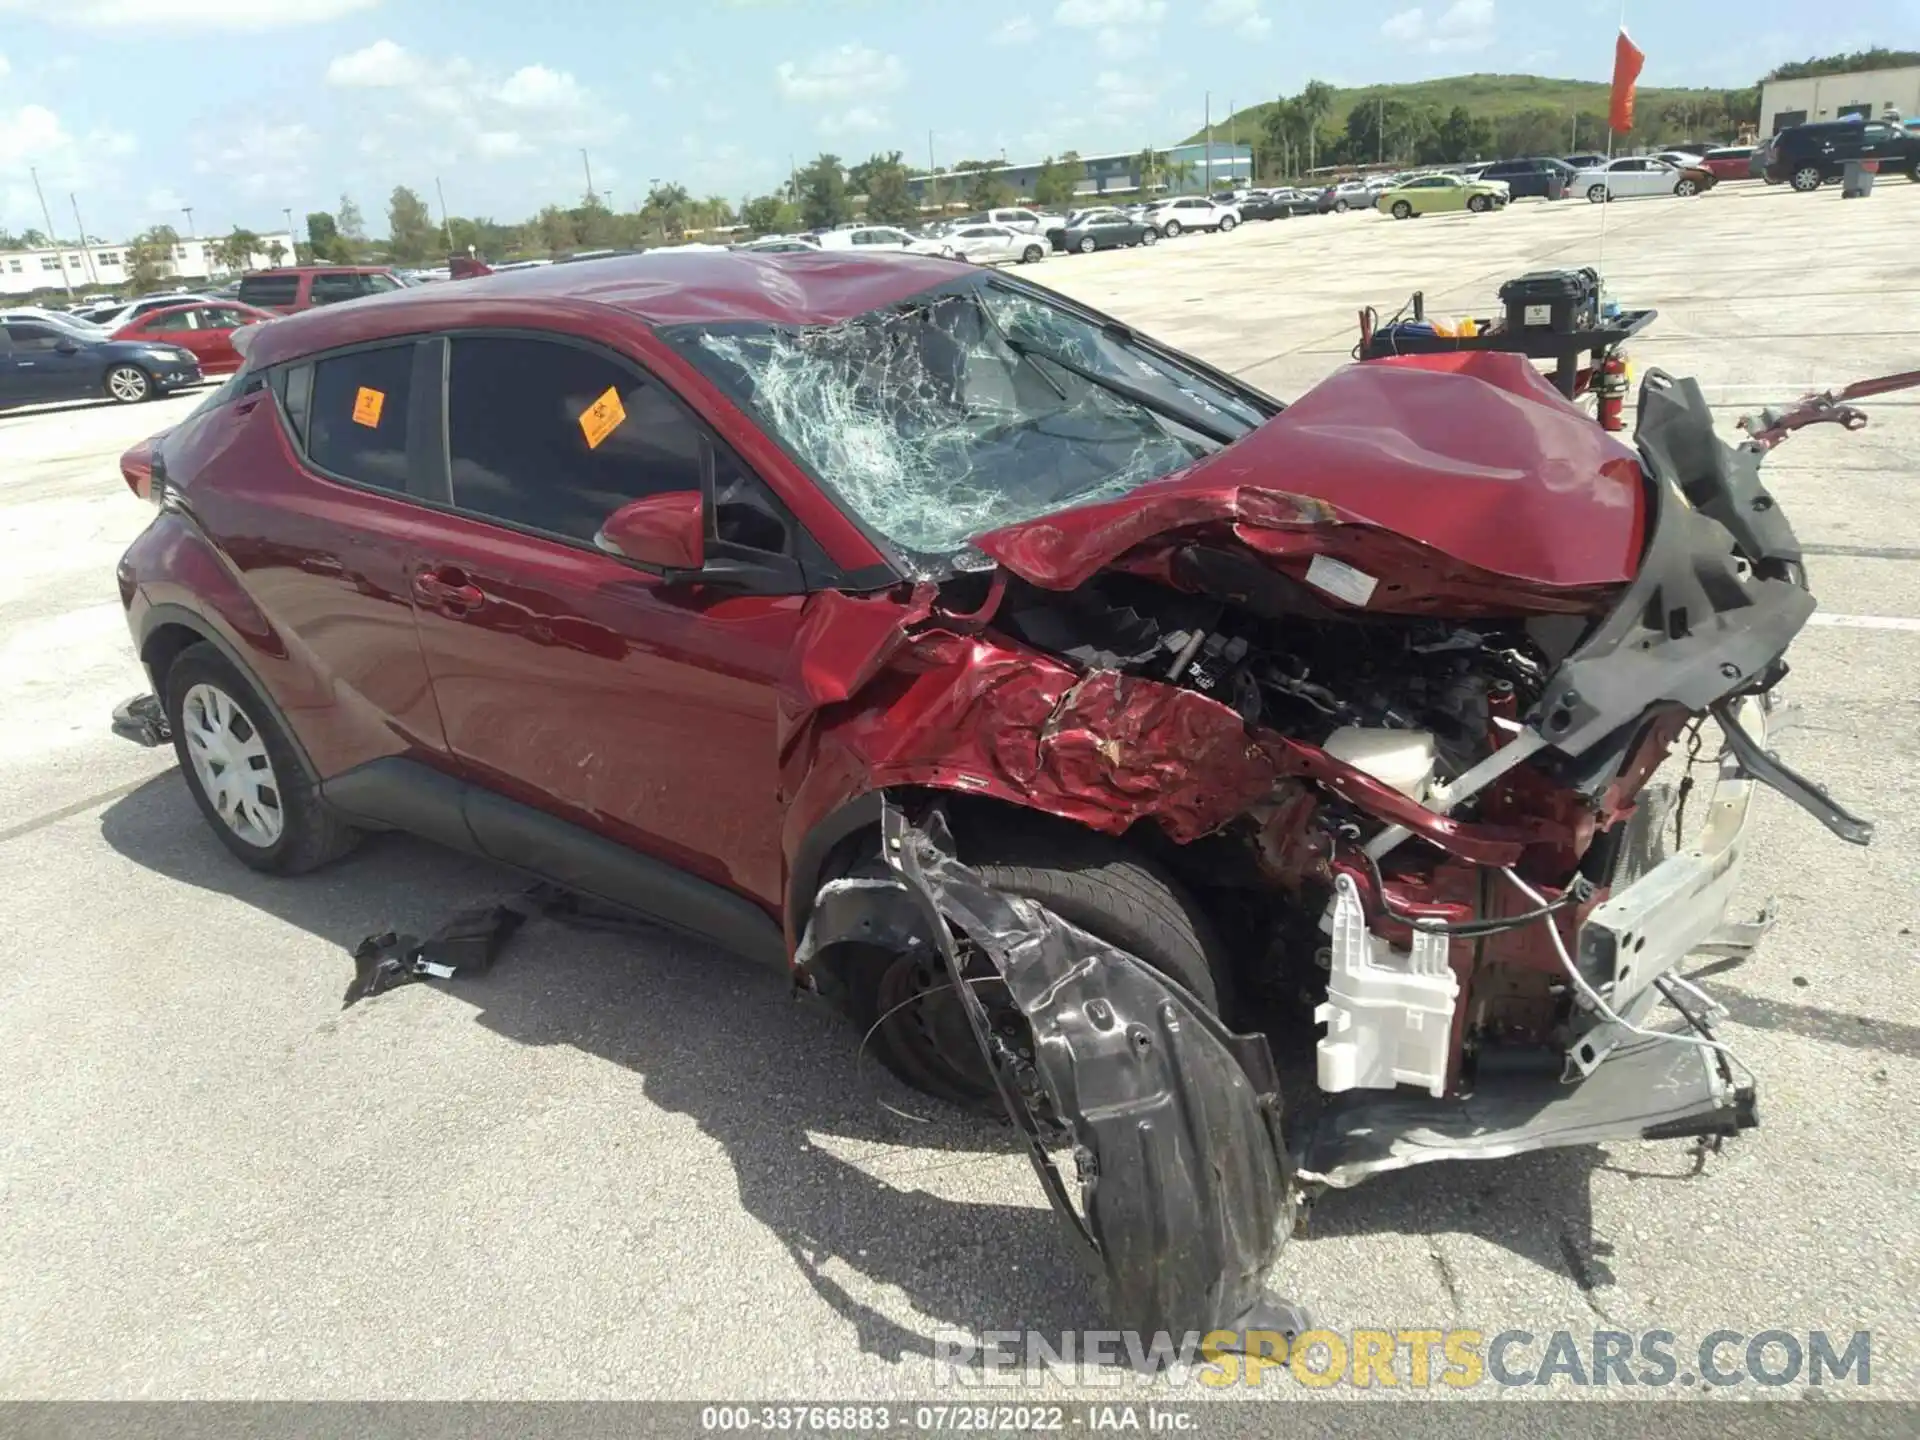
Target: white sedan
x,y
1619,179
993,244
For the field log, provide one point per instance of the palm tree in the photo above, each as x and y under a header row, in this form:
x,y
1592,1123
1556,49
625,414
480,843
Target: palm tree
x,y
1316,103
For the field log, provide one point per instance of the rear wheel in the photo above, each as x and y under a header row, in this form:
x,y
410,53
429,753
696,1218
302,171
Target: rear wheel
x,y
1402,210
1339,207
1597,194
1807,179
129,385
1031,255
1086,879
1088,245
1149,236
243,772
1173,229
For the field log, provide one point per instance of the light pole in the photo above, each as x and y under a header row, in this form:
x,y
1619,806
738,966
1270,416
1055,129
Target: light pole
x,y
287,210
586,165
53,239
86,251
187,210
446,225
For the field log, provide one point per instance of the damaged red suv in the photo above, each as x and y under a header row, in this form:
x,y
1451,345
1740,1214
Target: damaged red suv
x,y
1055,703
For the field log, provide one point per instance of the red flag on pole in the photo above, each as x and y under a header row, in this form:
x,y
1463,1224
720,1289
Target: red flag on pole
x,y
1627,61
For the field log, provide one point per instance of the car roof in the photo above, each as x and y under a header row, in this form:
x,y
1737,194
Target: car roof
x,y
816,288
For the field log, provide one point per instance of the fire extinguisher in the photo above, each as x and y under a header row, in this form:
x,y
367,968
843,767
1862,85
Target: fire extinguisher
x,y
1611,386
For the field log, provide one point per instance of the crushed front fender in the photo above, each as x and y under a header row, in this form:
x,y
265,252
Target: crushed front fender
x,y
1186,1191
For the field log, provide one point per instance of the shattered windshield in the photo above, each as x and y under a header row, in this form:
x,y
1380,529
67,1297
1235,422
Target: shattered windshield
x,y
969,408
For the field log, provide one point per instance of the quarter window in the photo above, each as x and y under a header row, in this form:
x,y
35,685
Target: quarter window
x,y
357,417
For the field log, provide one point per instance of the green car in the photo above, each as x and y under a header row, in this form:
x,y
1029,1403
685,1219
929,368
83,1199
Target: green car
x,y
1433,194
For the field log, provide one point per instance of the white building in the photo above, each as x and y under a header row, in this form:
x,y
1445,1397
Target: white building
x,y
1869,94
104,267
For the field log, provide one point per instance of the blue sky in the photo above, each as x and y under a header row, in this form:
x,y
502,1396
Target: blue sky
x,y
242,107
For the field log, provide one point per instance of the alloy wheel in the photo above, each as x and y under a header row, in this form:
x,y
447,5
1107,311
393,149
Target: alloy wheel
x,y
1597,194
1088,245
231,762
1806,179
128,384
1402,210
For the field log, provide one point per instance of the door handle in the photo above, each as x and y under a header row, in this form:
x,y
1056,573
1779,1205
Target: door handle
x,y
448,588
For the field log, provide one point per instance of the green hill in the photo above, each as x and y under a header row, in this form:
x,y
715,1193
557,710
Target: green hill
x,y
1511,112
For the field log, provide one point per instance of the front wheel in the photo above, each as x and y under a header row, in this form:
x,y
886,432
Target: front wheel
x,y
1227,222
1807,179
1597,194
128,385
1687,187
1031,255
1173,229
243,772
1402,210
1479,204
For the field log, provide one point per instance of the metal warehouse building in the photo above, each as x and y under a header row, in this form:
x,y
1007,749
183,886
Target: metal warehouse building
x,y
1869,94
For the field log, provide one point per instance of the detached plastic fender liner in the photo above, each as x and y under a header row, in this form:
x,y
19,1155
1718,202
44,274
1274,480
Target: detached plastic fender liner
x,y
1187,1187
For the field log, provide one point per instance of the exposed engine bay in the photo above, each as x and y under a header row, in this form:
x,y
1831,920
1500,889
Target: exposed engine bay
x,y
1413,793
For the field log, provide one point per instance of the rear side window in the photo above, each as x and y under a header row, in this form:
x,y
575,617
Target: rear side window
x,y
327,289
270,290
356,421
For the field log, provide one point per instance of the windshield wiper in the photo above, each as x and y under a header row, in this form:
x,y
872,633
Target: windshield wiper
x,y
1146,399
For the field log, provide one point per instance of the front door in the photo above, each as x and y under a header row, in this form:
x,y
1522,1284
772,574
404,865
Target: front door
x,y
45,362
570,679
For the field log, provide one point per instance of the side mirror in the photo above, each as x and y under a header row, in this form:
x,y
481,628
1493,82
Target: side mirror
x,y
68,347
662,532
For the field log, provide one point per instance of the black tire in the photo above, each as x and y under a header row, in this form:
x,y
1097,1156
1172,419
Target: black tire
x,y
1227,222
1171,230
1032,255
1149,236
1088,245
1479,204
1087,879
1808,179
1339,207
1402,210
1687,187
310,834
1597,195
128,384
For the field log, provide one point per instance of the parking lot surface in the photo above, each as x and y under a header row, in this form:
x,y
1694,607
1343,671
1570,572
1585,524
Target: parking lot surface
x,y
629,1165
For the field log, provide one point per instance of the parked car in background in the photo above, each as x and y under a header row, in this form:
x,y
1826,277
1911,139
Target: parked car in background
x,y
1530,178
57,317
1191,212
1730,162
1587,160
204,329
1276,204
1018,217
1092,230
1356,194
994,244
780,244
1438,194
113,316
301,287
41,362
1639,175
1808,156
881,240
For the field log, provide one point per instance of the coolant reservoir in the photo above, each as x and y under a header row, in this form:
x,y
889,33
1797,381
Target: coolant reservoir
x,y
1403,759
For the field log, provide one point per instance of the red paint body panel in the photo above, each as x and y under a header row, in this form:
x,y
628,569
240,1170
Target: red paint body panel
x,y
1476,457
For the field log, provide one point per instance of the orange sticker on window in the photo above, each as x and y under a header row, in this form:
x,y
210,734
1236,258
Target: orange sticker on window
x,y
602,418
366,407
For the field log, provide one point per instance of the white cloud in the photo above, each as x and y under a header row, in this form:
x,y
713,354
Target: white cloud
x,y
4,67
187,14
500,144
847,72
34,135
1463,25
1093,14
859,120
261,160
535,87
1241,16
1017,31
1120,92
1405,25
381,65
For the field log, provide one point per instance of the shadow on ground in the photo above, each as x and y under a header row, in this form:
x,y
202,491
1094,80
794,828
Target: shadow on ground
x,y
722,1041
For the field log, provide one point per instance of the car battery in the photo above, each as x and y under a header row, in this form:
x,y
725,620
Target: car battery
x,y
1561,301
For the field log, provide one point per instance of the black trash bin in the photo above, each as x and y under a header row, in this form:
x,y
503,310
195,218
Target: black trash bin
x,y
1556,186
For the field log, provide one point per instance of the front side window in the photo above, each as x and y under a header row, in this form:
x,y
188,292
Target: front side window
x,y
179,320
970,407
329,289
28,337
356,421
555,438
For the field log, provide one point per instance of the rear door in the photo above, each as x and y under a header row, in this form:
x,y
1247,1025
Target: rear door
x,y
178,327
570,679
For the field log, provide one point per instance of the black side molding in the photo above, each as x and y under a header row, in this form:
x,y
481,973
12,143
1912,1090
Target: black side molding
x,y
404,794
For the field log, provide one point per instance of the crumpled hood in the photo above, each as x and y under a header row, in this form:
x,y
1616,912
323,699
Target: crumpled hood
x,y
1476,456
